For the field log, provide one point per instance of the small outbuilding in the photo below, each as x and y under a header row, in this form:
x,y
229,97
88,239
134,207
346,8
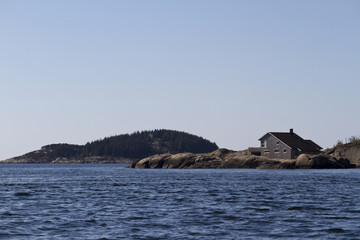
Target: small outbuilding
x,y
284,145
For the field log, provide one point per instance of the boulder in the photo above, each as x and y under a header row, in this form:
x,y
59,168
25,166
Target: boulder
x,y
223,158
321,161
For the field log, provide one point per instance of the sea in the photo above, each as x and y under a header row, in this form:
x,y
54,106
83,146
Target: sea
x,y
109,201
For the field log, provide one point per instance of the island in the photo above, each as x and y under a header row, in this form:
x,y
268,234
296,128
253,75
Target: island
x,y
124,148
277,150
175,149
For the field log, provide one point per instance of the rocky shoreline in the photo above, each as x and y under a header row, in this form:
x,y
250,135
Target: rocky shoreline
x,y
223,158
61,160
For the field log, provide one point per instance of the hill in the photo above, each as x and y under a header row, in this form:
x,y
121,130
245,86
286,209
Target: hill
x,y
120,148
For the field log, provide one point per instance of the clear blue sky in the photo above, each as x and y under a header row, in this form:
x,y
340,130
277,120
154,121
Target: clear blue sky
x,y
230,71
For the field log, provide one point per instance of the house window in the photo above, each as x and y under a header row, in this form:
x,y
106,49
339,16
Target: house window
x,y
278,142
266,152
276,150
284,150
263,143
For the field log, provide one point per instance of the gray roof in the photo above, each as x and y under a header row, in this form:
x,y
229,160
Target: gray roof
x,y
294,141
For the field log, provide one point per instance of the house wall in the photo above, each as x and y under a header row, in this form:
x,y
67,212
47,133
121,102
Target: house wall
x,y
274,148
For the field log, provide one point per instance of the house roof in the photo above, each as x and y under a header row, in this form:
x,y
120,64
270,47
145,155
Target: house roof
x,y
313,144
295,141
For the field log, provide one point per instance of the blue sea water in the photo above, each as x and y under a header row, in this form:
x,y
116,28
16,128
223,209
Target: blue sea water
x,y
112,202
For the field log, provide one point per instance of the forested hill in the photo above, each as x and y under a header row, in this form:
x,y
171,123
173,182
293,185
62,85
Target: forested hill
x,y
146,143
118,148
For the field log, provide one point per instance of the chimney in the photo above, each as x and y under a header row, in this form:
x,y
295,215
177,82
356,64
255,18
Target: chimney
x,y
291,131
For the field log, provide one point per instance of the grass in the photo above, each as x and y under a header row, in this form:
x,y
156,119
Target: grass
x,y
355,142
351,141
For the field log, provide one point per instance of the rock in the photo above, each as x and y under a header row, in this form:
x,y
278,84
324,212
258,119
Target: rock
x,y
351,152
321,161
223,158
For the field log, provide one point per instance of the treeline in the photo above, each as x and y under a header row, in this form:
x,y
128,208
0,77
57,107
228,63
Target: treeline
x,y
63,150
134,146
147,143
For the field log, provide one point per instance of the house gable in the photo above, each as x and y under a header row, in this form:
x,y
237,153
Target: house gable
x,y
273,147
271,134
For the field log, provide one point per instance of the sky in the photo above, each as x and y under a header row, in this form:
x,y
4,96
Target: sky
x,y
229,71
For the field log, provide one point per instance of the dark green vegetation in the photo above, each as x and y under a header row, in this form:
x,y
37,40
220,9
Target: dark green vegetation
x,y
147,143
119,148
62,150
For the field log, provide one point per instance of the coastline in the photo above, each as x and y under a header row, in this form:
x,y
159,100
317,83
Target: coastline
x,y
224,158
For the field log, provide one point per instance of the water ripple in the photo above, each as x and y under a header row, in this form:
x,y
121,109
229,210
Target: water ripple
x,y
111,202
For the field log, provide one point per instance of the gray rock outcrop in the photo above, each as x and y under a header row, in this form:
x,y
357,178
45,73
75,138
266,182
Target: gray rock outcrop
x,y
223,158
321,161
351,152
